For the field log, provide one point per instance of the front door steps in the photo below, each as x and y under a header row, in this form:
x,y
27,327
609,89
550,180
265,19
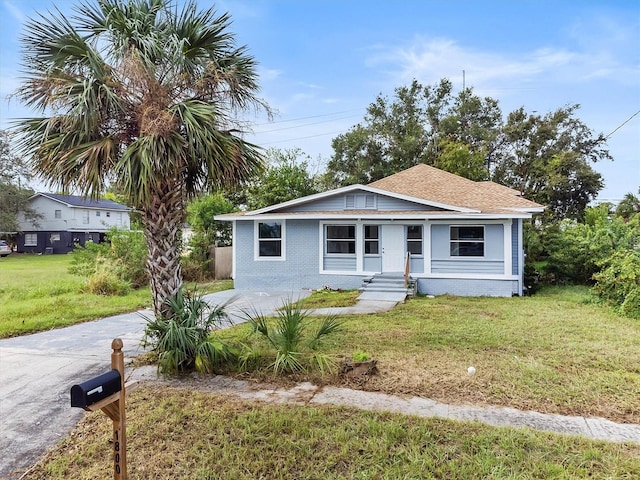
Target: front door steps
x,y
388,287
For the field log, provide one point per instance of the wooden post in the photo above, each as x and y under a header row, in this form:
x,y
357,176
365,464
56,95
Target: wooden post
x,y
117,414
111,402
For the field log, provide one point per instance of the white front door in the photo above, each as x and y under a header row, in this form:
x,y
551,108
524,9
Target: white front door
x,y
393,248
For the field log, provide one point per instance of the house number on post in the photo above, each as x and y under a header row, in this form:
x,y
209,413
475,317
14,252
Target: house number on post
x,y
107,393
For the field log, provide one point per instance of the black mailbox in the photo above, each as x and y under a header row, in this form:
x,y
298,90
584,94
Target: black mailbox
x,y
96,389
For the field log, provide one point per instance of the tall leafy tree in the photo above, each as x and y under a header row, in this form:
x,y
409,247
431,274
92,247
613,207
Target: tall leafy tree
x,y
287,177
141,93
416,126
549,159
14,188
629,205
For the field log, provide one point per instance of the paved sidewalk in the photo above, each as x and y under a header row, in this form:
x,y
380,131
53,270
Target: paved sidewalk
x,y
309,394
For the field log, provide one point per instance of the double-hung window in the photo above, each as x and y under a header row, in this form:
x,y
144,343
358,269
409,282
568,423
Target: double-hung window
x,y
270,240
340,239
414,239
467,241
371,240
57,214
30,239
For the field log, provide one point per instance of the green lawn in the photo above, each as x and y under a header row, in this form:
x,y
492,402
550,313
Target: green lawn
x,y
37,293
555,352
179,434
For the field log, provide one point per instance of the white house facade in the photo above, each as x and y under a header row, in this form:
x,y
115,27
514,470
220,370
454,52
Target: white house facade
x,y
67,220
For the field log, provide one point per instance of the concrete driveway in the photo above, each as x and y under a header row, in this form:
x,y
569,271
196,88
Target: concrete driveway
x,y
37,372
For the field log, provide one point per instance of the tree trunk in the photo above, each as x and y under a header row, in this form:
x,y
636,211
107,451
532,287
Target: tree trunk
x,y
162,227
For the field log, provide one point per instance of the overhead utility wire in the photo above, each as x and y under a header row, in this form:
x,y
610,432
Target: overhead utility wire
x,y
304,125
302,138
623,124
313,116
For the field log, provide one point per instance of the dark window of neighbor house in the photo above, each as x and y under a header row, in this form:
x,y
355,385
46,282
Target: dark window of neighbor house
x,y
97,213
467,241
371,240
269,239
108,214
341,239
57,214
414,239
30,239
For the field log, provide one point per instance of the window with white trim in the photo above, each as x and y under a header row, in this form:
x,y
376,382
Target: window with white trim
x,y
97,213
85,217
360,201
269,239
30,239
414,239
55,237
340,239
467,241
371,239
57,214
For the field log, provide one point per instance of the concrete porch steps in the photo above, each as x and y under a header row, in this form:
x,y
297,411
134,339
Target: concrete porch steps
x,y
387,287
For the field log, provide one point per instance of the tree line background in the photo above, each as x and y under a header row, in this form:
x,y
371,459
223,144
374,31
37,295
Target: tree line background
x,y
548,158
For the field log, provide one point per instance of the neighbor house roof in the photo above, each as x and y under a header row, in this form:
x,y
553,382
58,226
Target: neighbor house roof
x,y
433,184
84,202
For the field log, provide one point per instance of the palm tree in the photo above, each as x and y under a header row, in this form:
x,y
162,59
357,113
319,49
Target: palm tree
x,y
140,94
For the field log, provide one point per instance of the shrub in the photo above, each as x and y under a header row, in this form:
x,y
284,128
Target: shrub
x,y
105,281
182,340
619,282
123,255
291,338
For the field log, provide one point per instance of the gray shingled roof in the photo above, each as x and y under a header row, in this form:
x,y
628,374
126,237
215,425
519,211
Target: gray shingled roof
x,y
77,201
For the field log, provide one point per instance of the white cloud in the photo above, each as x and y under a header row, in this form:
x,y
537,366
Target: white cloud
x,y
429,60
15,12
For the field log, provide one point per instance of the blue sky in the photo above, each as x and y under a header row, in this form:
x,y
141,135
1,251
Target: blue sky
x,y
323,62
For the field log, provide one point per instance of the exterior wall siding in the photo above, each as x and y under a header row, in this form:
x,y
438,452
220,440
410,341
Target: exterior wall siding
x,y
47,243
338,202
74,218
491,263
417,264
467,287
372,263
301,270
515,248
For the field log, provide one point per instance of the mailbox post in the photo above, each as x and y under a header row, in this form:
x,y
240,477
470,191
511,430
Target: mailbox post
x,y
107,393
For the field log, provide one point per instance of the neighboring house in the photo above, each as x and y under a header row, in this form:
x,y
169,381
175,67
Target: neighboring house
x,y
67,220
457,236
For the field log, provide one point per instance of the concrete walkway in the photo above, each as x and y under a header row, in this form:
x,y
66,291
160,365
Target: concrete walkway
x,y
37,372
309,394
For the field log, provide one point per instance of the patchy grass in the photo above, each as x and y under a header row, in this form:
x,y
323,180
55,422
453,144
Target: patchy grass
x,y
178,434
330,299
38,293
555,352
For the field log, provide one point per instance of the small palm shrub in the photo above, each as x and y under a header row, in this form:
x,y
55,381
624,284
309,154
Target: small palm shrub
x,y
183,339
292,338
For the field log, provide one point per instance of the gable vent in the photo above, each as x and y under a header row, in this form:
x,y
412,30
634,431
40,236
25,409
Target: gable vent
x,y
360,201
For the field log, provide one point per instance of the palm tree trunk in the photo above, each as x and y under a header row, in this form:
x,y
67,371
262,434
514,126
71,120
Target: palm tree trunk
x,y
162,228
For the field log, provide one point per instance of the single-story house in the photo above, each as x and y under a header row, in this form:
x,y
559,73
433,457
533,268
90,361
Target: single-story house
x,y
453,235
67,220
